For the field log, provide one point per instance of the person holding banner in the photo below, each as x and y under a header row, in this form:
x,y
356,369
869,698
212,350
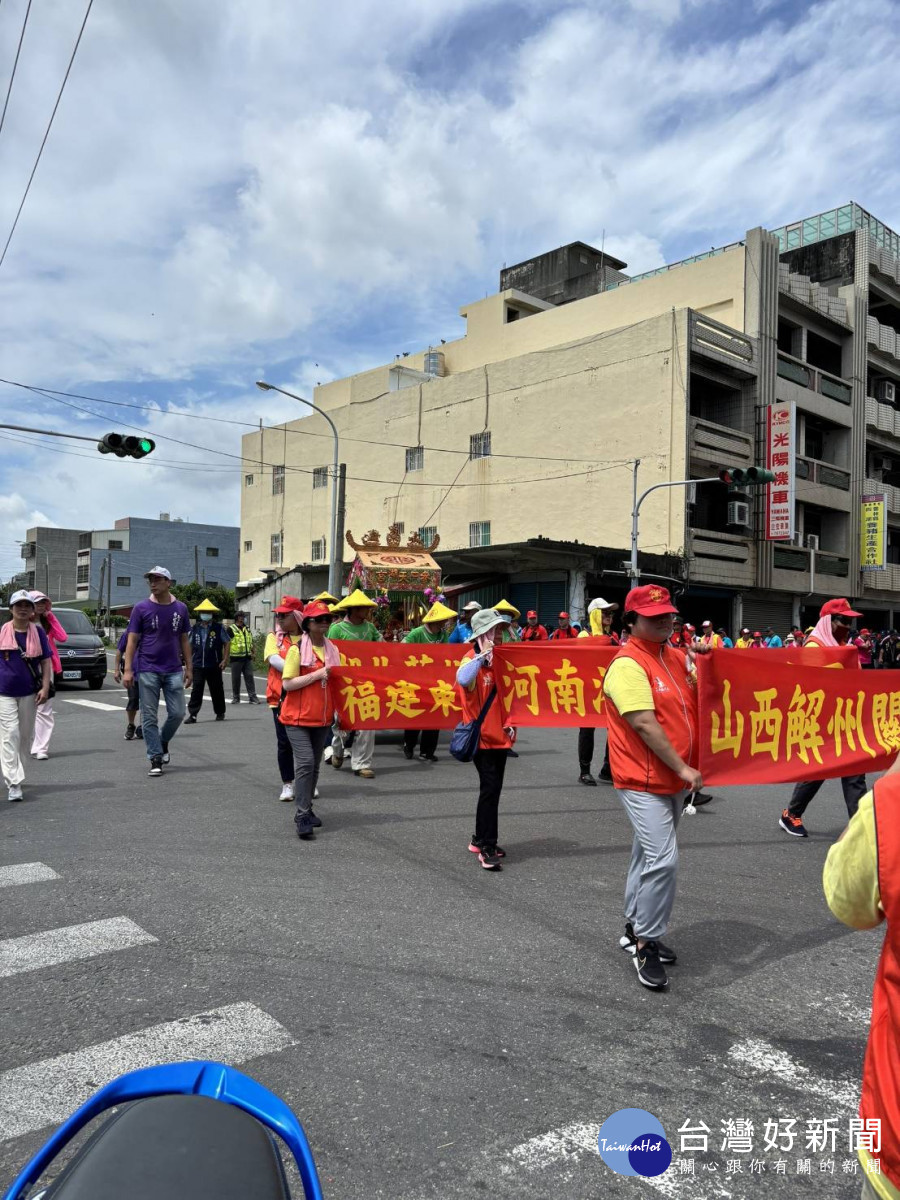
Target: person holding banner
x,y
432,632
833,629
478,694
354,626
654,743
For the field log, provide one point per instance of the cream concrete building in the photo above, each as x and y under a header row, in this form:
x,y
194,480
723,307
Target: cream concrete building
x,y
515,442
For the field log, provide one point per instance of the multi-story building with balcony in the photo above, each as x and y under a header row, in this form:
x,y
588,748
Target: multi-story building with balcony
x,y
515,442
49,555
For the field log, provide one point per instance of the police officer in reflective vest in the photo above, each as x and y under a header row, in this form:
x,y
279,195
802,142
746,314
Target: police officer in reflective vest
x,y
242,660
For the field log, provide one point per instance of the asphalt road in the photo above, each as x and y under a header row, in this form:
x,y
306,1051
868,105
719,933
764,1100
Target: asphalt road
x,y
439,1029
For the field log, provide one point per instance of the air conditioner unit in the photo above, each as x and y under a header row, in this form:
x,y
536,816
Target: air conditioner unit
x,y
886,390
738,512
797,540
812,541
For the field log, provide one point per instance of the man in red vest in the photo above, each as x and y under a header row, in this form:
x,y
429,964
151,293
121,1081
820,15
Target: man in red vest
x,y
653,750
563,629
533,632
862,887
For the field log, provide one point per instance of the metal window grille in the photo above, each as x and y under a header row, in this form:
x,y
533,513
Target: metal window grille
x,y
320,477
123,581
427,534
83,573
248,481
277,481
480,445
248,546
480,533
318,550
275,548
415,458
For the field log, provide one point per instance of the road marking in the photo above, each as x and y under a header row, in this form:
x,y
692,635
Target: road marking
x,y
45,1093
94,704
843,1006
68,944
25,873
767,1060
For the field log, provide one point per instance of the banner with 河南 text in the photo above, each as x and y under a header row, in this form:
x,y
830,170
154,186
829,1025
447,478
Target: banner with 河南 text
x,y
872,533
762,721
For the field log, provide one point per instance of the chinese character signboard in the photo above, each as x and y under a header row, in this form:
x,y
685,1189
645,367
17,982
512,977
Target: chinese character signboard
x,y
781,442
872,533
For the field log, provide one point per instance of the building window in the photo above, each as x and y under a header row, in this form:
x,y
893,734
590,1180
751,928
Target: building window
x,y
318,550
114,545
400,526
427,534
480,533
278,481
212,551
275,548
320,477
83,573
84,541
415,458
211,583
248,546
248,481
123,581
480,445
30,575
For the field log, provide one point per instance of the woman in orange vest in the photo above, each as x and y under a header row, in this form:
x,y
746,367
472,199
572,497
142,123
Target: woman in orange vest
x,y
862,887
307,708
285,635
653,750
475,685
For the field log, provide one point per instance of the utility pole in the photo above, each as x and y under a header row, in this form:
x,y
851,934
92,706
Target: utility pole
x,y
109,597
99,590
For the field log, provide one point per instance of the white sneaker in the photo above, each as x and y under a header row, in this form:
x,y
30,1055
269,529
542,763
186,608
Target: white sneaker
x,y
328,753
316,794
15,792
42,756
287,792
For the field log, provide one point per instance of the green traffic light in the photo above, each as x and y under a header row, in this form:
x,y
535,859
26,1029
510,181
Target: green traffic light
x,y
146,445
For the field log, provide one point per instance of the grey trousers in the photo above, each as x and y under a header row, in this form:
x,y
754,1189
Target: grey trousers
x,y
650,884
242,668
308,743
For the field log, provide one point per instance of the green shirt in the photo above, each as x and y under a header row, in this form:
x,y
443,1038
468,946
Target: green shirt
x,y
344,631
421,634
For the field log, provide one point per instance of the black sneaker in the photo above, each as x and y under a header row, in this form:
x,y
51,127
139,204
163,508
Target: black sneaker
x,y
651,972
129,733
156,765
587,779
698,799
139,733
220,717
315,821
512,753
489,858
407,751
628,942
428,758
254,700
165,753
605,775
190,720
305,827
476,848
792,825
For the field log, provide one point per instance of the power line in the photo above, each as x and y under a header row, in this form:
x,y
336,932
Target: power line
x,y
46,131
15,64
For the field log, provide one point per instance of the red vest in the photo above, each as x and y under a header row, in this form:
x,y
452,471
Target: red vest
x,y
635,767
311,705
881,1071
559,634
534,633
493,735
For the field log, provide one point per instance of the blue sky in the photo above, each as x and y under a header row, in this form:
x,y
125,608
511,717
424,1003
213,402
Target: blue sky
x,y
287,190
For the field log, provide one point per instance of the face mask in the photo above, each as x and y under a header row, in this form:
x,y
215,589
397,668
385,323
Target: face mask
x,y
206,616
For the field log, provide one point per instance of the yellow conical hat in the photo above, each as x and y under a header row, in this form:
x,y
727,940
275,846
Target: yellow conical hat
x,y
207,606
505,607
326,598
438,612
357,599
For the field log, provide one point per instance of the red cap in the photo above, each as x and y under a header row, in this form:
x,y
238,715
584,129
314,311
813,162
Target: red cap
x,y
757,634
838,608
289,604
649,601
316,608
531,613
863,632
692,628
564,616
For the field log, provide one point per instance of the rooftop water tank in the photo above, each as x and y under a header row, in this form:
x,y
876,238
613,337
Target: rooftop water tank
x,y
434,363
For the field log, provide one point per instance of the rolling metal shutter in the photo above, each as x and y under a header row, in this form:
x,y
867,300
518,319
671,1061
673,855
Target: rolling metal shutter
x,y
548,599
760,612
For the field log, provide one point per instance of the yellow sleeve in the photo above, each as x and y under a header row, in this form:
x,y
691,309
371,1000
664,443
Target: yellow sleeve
x,y
291,664
627,685
850,877
271,647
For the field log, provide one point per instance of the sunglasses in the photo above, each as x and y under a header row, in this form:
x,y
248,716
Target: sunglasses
x,y
320,620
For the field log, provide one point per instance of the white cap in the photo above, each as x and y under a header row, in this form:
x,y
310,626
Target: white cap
x,y
16,597
599,604
705,623
158,571
472,606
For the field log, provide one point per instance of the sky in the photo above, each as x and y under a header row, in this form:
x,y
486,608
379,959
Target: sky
x,y
299,191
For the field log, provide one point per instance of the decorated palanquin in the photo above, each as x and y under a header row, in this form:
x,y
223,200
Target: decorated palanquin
x,y
396,576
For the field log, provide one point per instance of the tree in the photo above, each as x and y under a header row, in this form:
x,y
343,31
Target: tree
x,y
193,593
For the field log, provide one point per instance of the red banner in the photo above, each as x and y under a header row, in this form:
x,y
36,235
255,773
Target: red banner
x,y
383,685
762,721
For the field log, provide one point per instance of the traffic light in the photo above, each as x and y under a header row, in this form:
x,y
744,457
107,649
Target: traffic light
x,y
126,446
746,476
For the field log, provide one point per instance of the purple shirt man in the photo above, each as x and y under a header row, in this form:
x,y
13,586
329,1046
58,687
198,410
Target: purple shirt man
x,y
160,628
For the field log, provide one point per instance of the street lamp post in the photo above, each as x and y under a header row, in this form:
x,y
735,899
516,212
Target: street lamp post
x,y
334,581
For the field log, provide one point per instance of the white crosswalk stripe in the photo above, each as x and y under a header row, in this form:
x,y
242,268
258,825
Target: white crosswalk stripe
x,y
19,873
45,1093
68,944
94,704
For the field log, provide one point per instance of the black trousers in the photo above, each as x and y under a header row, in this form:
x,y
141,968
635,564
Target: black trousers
x,y
213,677
854,787
586,751
490,765
285,751
242,668
429,741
